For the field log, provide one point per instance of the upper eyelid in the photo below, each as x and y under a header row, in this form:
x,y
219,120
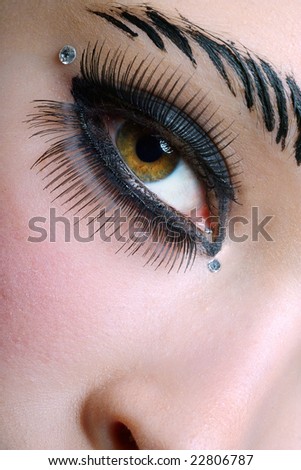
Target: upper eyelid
x,y
166,87
264,89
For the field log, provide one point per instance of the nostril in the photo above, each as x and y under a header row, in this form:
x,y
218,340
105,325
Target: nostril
x,y
122,437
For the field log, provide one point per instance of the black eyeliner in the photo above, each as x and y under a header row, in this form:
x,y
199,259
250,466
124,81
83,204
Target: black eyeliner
x,y
98,91
95,84
83,169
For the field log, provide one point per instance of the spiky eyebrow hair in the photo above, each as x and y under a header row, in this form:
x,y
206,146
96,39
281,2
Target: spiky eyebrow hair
x,y
257,76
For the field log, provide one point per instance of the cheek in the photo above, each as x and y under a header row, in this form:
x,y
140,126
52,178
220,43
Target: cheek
x,y
77,305
57,309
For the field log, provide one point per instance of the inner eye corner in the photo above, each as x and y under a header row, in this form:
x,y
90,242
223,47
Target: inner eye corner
x,y
122,437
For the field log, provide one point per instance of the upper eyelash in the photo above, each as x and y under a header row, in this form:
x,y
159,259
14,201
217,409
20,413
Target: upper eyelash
x,y
56,117
162,99
262,85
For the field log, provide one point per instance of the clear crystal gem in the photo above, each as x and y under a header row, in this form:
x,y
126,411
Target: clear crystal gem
x,y
67,54
214,266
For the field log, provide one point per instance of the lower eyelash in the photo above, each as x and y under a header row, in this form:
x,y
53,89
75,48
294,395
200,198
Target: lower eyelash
x,y
71,170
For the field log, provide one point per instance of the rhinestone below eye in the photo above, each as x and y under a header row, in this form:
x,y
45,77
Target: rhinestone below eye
x,y
67,55
214,266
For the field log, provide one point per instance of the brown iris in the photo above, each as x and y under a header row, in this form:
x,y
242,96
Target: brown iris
x,y
148,155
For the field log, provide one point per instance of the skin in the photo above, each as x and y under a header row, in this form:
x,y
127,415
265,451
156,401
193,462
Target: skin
x,y
186,360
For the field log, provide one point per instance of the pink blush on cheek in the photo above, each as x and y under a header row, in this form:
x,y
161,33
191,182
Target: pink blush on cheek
x,y
61,309
49,312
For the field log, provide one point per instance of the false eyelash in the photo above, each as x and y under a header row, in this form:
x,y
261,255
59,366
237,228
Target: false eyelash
x,y
133,87
86,176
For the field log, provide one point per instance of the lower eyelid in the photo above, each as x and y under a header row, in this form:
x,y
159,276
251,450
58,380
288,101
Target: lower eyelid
x,y
159,211
75,176
181,189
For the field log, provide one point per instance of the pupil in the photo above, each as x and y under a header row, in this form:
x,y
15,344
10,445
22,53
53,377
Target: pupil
x,y
148,149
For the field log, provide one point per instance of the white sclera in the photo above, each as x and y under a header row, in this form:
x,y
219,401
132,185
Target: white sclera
x,y
181,189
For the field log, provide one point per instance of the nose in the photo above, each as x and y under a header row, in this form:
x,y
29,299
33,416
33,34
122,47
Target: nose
x,y
229,397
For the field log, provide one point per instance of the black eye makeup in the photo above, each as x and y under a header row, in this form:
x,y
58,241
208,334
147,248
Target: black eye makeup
x,y
142,144
263,89
128,142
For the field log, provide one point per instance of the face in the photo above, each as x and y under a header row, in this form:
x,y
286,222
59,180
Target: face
x,y
191,136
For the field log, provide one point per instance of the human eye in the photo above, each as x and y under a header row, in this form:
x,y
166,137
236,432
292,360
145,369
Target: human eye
x,y
130,142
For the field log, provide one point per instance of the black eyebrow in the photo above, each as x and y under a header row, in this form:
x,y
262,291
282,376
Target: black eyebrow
x,y
171,31
257,77
210,47
148,29
296,100
115,22
276,84
263,94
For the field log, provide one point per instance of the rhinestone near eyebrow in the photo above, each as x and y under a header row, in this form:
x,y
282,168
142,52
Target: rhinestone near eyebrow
x,y
67,54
